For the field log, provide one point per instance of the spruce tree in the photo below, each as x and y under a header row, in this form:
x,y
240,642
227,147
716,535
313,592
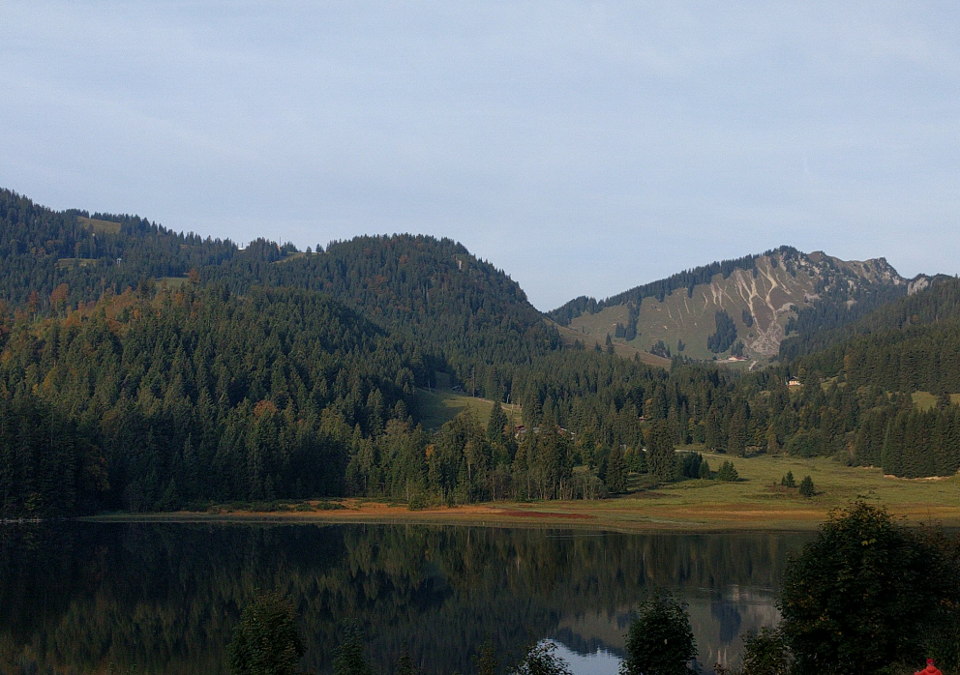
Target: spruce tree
x,y
727,472
616,473
661,457
496,424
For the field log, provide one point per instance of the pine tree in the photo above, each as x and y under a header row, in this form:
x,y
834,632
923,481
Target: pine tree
x,y
728,472
496,424
616,472
661,456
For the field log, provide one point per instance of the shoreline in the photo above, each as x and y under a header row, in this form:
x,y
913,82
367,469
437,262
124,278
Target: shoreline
x,y
606,515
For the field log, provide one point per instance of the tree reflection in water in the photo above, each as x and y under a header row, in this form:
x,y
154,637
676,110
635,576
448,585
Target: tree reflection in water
x,y
88,597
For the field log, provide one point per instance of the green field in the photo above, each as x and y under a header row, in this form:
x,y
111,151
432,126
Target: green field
x,y
924,400
758,500
436,407
66,263
106,226
625,350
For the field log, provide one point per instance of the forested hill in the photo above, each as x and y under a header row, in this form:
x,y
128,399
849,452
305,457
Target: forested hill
x,y
898,369
930,300
443,300
152,402
460,314
909,345
82,256
143,369
737,308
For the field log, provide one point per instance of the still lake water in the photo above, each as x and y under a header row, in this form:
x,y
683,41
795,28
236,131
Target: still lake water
x,y
164,598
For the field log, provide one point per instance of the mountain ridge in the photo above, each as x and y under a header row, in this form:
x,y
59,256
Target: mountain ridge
x,y
294,374
743,308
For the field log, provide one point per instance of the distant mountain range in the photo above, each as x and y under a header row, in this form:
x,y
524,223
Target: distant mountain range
x,y
141,368
732,310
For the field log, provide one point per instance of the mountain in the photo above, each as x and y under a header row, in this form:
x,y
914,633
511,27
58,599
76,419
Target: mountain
x,y
909,345
471,317
460,315
895,374
83,256
145,369
741,308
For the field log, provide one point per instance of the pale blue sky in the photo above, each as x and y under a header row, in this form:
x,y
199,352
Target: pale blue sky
x,y
583,147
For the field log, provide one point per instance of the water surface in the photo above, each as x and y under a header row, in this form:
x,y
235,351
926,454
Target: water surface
x,y
162,598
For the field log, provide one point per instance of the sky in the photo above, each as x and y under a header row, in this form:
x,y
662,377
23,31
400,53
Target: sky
x,y
582,147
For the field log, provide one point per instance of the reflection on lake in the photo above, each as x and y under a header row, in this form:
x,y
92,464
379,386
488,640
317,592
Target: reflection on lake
x,y
162,598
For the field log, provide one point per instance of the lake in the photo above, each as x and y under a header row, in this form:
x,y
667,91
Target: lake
x,y
162,598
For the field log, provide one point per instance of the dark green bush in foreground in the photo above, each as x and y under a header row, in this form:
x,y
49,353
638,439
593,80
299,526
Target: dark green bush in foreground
x,y
869,593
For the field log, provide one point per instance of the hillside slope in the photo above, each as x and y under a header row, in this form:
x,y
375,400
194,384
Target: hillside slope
x,y
83,256
745,307
444,301
907,346
454,312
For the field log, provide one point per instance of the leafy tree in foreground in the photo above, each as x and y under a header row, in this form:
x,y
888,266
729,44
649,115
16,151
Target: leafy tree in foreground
x,y
266,642
766,653
660,641
868,593
541,660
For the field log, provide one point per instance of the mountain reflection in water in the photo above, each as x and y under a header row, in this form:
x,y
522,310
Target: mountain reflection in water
x,y
161,598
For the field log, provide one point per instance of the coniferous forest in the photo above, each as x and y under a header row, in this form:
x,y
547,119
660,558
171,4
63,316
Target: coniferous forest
x,y
143,369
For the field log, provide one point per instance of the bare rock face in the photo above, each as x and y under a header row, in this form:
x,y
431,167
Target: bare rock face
x,y
761,297
917,284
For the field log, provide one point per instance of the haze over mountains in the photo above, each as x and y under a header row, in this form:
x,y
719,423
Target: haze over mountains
x,y
145,369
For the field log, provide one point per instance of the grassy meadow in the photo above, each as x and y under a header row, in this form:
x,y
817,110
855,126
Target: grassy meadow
x,y
436,407
756,501
626,350
104,226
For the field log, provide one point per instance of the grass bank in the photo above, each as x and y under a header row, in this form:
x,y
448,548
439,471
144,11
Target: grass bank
x,y
755,502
